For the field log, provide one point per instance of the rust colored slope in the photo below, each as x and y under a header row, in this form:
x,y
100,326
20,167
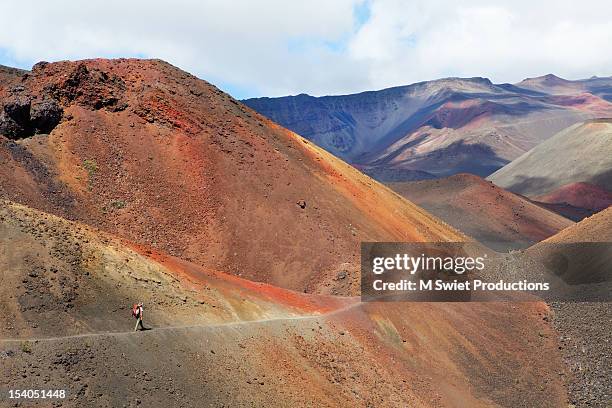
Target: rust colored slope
x,y
66,296
491,215
155,155
580,195
77,280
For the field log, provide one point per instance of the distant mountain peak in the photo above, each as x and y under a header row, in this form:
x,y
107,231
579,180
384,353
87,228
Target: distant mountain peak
x,y
552,77
464,79
456,84
548,79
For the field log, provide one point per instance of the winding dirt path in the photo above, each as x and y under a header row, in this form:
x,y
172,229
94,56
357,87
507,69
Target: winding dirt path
x,y
211,326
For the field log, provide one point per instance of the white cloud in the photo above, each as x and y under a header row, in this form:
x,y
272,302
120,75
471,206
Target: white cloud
x,y
506,41
275,47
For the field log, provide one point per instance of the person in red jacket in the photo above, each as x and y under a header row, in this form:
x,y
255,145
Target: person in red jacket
x,y
137,313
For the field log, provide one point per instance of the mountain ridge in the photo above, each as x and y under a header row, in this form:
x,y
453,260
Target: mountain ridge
x,y
440,127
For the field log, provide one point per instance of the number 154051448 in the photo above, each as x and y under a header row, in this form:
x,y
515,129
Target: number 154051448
x,y
37,394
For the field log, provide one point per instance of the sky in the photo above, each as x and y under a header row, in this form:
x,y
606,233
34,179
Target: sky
x,y
284,47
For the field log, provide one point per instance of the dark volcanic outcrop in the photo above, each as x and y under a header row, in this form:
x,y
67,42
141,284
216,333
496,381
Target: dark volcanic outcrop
x,y
10,76
21,117
23,114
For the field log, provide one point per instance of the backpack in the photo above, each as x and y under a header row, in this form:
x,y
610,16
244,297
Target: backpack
x,y
135,311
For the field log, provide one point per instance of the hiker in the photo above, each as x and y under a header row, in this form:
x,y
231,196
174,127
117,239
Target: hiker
x,y
137,314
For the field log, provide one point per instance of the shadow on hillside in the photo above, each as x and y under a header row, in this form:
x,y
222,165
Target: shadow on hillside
x,y
543,185
458,157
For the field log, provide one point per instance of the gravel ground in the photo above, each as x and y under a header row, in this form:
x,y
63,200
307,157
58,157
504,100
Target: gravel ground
x,y
585,333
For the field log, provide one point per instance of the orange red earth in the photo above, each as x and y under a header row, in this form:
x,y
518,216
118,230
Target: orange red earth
x,y
223,340
197,185
489,214
580,194
155,155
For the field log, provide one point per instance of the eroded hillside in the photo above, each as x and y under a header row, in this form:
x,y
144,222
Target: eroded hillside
x,y
146,151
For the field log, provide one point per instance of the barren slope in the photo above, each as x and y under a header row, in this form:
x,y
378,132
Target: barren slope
x,y
584,327
153,154
579,195
580,153
480,209
218,340
65,278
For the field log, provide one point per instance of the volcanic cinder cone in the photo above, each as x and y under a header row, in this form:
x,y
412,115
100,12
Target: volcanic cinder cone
x,y
151,153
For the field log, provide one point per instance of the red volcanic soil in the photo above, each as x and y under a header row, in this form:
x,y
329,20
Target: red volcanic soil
x,y
65,270
491,215
197,279
584,102
173,183
218,340
581,195
162,158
